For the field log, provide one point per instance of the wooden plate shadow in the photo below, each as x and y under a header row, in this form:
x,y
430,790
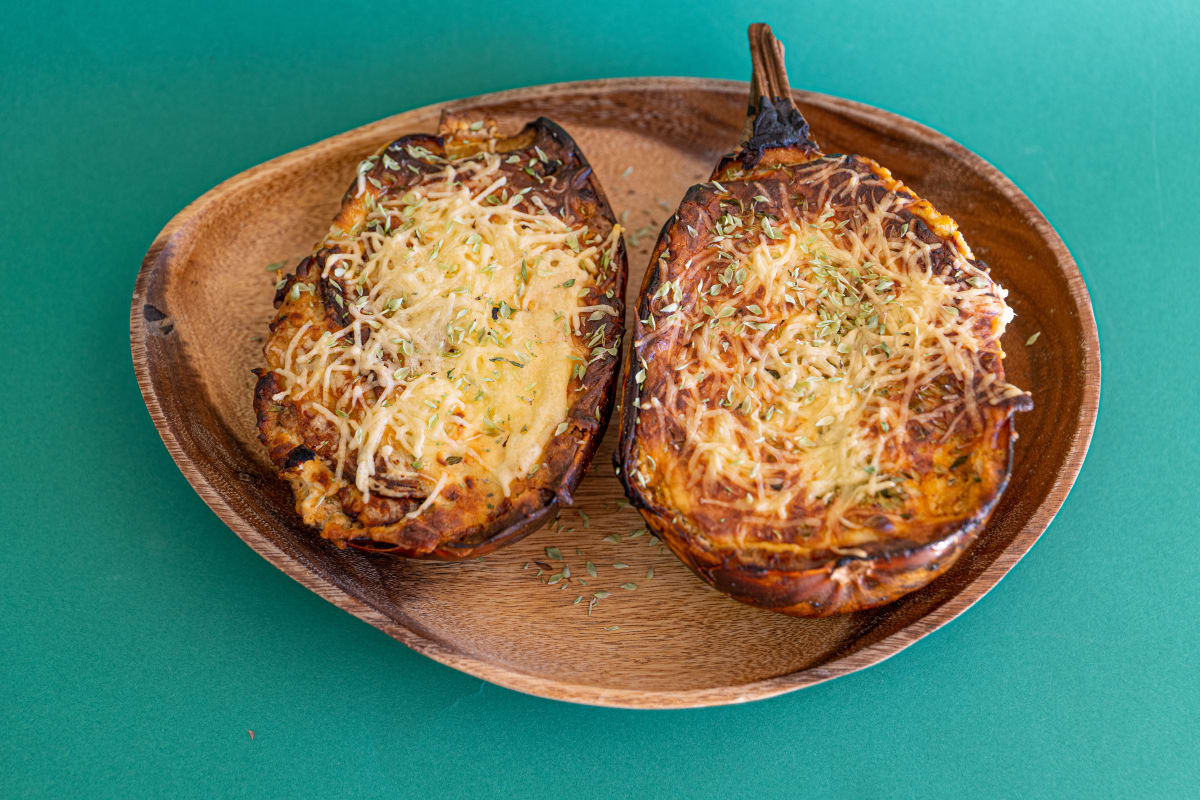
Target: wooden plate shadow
x,y
203,300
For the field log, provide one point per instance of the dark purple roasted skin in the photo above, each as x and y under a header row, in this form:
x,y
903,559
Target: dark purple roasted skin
x,y
298,441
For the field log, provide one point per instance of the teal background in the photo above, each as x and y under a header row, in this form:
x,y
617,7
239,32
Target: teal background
x,y
140,639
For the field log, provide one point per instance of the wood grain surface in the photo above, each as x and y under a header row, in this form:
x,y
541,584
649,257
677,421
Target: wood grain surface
x,y
203,300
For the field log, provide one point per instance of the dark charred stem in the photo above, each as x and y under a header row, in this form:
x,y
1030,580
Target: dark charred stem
x,y
772,119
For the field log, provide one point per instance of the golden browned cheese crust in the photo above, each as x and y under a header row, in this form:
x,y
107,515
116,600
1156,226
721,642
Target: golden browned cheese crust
x,y
469,513
898,501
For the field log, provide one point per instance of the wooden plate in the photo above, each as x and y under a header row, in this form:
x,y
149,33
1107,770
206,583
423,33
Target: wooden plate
x,y
203,300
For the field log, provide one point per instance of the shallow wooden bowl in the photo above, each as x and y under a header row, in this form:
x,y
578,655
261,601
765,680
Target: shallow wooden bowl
x,y
203,300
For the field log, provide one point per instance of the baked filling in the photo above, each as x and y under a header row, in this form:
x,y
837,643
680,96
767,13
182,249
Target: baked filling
x,y
438,344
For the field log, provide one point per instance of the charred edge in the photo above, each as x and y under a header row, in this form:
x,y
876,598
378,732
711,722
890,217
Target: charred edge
x,y
301,270
605,398
808,591
556,132
584,176
494,540
337,313
630,393
297,457
435,144
263,389
469,546
893,574
776,123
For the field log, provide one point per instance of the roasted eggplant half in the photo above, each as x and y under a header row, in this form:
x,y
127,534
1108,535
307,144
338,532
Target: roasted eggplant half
x,y
442,367
814,416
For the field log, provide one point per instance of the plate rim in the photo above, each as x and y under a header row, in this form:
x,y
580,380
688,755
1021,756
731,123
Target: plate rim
x,y
541,686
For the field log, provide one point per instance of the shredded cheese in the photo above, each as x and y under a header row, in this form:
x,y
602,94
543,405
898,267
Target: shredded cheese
x,y
463,303
812,341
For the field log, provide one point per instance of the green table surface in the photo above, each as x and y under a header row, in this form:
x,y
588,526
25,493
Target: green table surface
x,y
140,640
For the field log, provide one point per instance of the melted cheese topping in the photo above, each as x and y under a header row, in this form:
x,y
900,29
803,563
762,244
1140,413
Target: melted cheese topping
x,y
810,344
463,303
